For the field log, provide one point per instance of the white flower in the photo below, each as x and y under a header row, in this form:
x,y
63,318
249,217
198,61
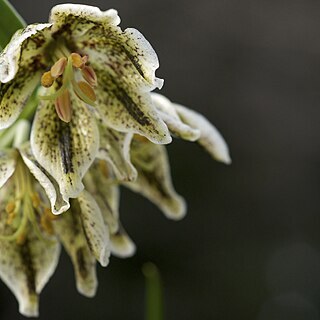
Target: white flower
x,y
97,71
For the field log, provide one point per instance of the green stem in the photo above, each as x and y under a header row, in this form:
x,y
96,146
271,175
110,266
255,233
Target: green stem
x,y
10,22
154,292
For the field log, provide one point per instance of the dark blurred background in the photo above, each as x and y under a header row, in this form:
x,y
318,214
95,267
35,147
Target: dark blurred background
x,y
249,247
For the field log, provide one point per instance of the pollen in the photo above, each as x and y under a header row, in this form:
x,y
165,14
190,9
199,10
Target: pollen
x,y
77,60
47,79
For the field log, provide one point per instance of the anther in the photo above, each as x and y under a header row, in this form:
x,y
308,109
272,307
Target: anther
x,y
10,207
11,217
104,168
47,79
87,90
89,75
77,61
35,200
63,106
58,68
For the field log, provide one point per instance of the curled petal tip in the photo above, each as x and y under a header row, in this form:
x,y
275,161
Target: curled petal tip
x,y
104,257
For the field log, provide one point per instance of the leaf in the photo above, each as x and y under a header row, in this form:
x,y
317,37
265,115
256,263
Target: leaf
x,y
10,22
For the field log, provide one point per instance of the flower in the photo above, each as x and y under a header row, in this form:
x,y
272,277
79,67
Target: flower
x,y
89,70
30,233
97,127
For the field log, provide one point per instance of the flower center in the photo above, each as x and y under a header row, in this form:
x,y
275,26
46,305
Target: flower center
x,y
61,78
26,209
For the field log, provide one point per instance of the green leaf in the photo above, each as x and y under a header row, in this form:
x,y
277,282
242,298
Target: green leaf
x,y
10,22
154,292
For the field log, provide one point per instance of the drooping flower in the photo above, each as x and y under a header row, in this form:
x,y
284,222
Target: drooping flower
x,y
89,69
97,127
30,233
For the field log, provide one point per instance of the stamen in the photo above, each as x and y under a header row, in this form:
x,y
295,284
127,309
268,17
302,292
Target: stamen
x,y
77,61
84,92
63,106
10,207
58,68
89,75
104,168
47,79
35,200
11,218
21,238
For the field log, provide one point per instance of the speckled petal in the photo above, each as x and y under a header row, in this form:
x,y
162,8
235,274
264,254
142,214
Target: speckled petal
x,y
100,182
121,244
125,65
96,231
126,54
65,150
154,179
115,149
50,186
210,138
7,165
79,18
169,115
26,268
124,109
68,228
21,63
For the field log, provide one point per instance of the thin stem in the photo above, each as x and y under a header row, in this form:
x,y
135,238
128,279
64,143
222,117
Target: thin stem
x,y
154,294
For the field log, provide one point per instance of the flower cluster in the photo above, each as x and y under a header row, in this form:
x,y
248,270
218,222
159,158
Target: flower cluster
x,y
97,126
